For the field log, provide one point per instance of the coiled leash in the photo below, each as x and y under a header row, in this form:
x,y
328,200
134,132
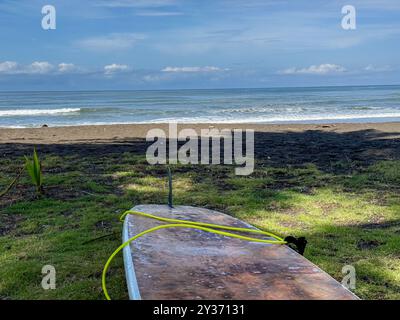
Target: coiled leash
x,y
300,243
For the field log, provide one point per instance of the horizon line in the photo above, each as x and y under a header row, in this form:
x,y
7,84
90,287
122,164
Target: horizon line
x,y
204,89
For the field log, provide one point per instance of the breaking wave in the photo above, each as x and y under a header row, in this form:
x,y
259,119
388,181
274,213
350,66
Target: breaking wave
x,y
37,112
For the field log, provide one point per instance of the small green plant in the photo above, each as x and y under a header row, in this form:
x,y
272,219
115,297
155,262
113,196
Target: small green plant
x,y
34,169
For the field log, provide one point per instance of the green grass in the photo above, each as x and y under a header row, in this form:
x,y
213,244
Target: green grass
x,y
347,218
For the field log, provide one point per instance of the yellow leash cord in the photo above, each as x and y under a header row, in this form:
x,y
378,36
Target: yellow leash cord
x,y
202,224
176,223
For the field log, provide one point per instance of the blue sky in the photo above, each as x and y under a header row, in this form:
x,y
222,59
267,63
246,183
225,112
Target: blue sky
x,y
168,44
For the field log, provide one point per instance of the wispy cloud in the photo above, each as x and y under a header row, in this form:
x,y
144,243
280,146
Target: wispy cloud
x,y
156,77
322,69
37,67
373,68
66,67
191,69
113,41
44,68
40,67
135,3
115,68
159,13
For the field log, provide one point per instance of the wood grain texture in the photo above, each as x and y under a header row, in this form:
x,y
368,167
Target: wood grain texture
x,y
193,264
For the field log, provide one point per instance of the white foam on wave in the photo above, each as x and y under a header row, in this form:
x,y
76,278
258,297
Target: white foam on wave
x,y
37,112
263,109
281,118
277,119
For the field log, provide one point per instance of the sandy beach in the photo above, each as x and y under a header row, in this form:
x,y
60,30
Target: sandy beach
x,y
99,133
278,144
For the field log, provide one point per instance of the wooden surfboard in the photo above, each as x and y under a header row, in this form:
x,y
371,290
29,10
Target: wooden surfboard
x,y
181,264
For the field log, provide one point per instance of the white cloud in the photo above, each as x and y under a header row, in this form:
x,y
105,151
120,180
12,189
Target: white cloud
x,y
321,69
39,67
191,69
46,68
115,68
113,41
8,67
66,67
372,68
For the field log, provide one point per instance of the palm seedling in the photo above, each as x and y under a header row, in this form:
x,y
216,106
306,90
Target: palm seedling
x,y
34,168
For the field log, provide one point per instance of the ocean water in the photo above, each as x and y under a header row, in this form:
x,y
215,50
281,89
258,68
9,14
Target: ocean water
x,y
277,105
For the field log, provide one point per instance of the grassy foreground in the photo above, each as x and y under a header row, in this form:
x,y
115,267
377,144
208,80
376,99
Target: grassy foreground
x,y
348,218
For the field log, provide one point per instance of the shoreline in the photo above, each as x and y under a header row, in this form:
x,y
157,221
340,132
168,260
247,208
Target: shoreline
x,y
50,135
